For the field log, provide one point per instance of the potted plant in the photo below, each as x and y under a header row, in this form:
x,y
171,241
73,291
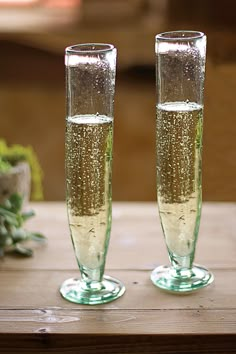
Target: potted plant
x,y
20,172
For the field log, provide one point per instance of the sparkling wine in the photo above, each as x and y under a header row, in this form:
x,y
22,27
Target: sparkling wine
x,y
179,145
88,184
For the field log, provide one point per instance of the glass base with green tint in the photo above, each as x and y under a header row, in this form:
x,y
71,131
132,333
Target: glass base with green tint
x,y
181,281
94,293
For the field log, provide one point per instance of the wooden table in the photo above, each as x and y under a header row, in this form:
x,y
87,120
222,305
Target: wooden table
x,y
35,318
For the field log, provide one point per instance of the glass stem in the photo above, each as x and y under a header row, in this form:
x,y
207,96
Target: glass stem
x,y
92,278
181,266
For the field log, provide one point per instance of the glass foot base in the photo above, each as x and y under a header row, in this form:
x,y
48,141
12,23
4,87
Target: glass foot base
x,y
164,278
73,291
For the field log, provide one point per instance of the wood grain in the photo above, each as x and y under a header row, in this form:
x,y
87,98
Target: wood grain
x,y
110,322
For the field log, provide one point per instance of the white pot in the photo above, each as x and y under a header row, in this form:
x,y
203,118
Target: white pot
x,y
16,180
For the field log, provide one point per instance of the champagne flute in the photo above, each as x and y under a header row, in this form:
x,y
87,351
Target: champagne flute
x,y
180,73
90,87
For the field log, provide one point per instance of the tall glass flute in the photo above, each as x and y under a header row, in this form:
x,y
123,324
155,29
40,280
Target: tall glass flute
x,y
180,72
90,87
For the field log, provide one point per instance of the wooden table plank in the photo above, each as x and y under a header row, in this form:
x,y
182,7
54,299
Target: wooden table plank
x,y
35,289
136,234
117,344
100,322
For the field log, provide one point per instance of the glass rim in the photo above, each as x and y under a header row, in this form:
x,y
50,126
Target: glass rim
x,y
176,35
89,48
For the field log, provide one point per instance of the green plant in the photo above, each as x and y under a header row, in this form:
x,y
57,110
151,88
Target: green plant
x,y
12,233
11,155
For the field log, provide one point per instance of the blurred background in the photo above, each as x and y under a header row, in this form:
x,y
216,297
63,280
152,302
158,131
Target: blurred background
x,y
33,36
